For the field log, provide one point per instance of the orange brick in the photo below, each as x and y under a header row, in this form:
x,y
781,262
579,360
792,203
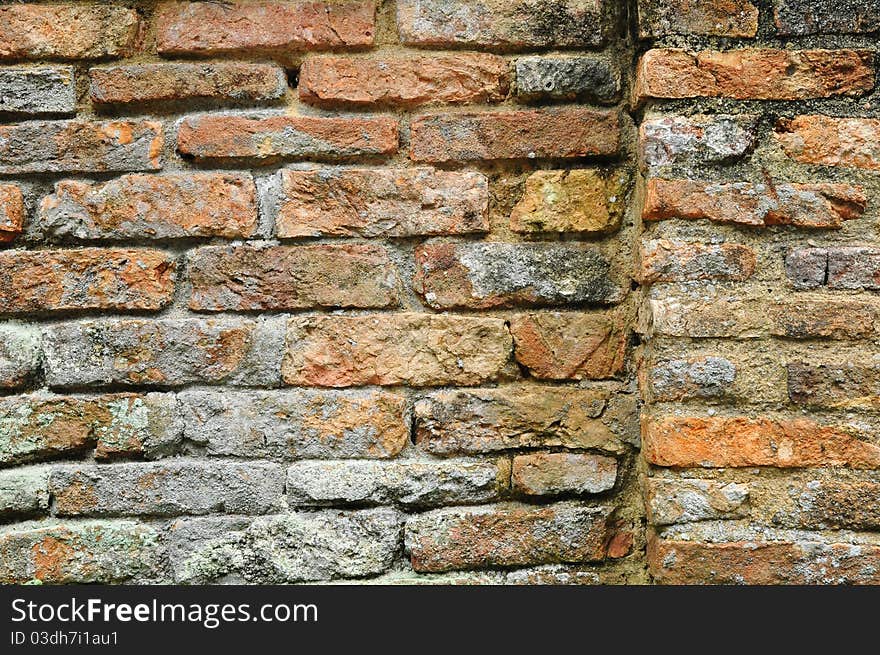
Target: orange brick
x,y
852,142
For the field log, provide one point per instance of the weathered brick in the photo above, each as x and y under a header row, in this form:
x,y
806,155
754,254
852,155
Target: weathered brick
x,y
754,74
847,385
172,206
166,352
11,212
295,547
801,17
493,274
273,137
372,202
823,319
151,84
167,489
91,278
550,474
24,493
523,134
570,346
267,27
20,354
762,563
853,268
681,500
583,201
760,205
450,539
257,277
84,552
505,24
490,420
395,81
41,427
573,77
696,377
731,18
66,31
740,441
37,90
705,314
296,424
696,139
390,349
81,146
807,268
408,483
823,503
662,260
829,141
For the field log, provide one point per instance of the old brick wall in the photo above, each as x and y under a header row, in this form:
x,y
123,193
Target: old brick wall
x,y
417,291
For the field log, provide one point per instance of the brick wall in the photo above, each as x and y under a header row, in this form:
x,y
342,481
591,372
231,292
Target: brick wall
x,y
419,291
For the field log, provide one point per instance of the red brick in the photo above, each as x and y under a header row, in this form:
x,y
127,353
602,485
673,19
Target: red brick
x,y
211,28
741,442
754,74
221,137
760,205
11,212
373,202
824,318
828,141
66,31
525,134
244,278
91,278
153,206
663,260
403,81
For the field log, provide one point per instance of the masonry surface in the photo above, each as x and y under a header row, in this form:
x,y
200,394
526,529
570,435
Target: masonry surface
x,y
439,291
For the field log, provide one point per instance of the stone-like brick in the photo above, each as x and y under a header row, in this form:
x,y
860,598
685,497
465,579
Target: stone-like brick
x,y
91,278
585,78
697,377
583,201
707,315
523,134
84,552
801,17
823,319
493,274
743,203
731,18
66,31
683,500
662,260
295,547
37,90
550,474
373,202
741,442
81,146
167,489
167,352
451,539
762,563
501,23
272,137
266,27
20,354
570,346
24,493
296,424
853,268
11,212
490,420
41,427
391,349
149,84
257,277
847,385
819,503
829,141
395,81
179,205
408,483
807,268
754,74
696,139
